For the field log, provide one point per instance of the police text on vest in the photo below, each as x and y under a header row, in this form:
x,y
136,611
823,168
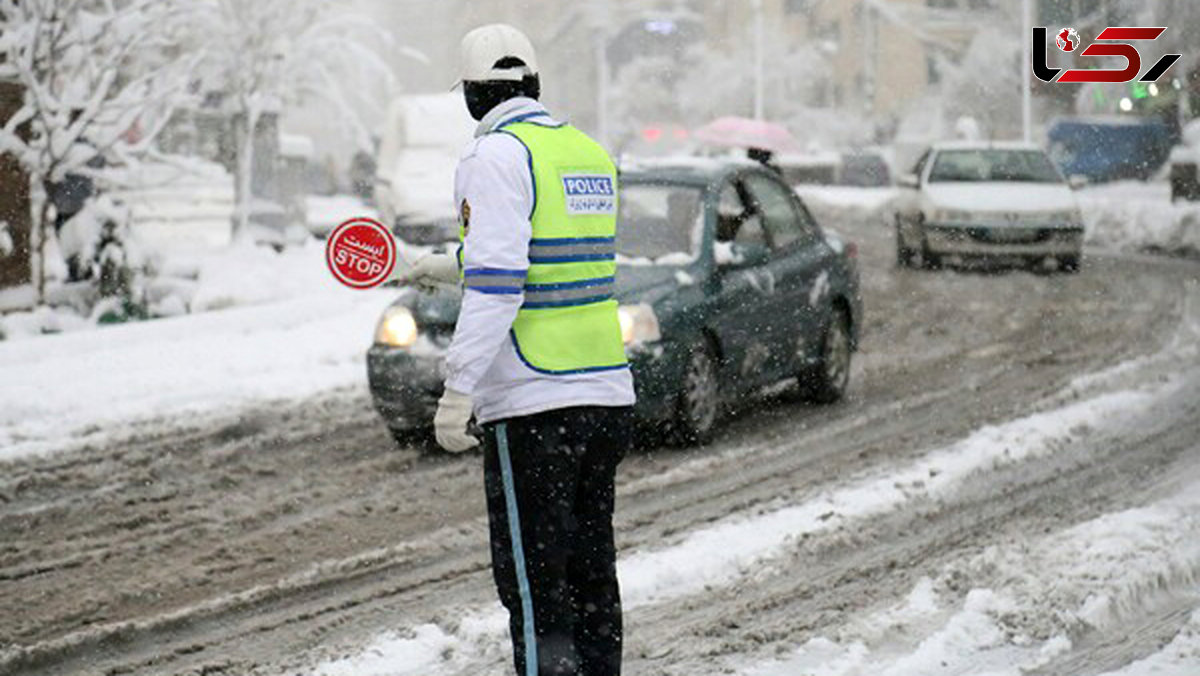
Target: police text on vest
x,y
589,194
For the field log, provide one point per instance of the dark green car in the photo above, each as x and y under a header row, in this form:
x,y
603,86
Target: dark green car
x,y
727,285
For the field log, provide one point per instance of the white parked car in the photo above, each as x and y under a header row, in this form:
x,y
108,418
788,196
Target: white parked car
x,y
1003,202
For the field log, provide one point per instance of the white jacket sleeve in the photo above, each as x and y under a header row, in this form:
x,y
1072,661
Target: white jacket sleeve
x,y
494,194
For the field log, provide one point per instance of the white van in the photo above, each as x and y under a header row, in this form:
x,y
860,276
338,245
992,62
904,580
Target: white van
x,y
421,141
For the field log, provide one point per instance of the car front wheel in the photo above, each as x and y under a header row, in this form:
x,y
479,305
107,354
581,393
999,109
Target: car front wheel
x,y
826,381
1069,263
930,260
699,397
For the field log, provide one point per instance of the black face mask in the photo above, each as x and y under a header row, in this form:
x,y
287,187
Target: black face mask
x,y
481,97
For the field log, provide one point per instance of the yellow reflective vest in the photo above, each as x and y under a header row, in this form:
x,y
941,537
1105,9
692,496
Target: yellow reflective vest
x,y
568,322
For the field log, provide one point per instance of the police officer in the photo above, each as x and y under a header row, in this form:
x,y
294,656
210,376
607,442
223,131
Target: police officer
x,y
537,357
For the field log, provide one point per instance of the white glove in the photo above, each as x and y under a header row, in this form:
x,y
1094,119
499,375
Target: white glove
x,y
450,422
430,271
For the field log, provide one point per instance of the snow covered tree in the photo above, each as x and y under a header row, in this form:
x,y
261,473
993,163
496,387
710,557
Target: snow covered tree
x,y
985,83
92,72
702,83
262,55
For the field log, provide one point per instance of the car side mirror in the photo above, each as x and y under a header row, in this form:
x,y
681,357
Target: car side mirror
x,y
1078,181
738,255
908,181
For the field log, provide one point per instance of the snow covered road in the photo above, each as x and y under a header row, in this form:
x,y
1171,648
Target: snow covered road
x,y
1012,483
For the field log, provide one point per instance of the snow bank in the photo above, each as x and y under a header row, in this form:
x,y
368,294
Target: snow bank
x,y
247,274
1136,216
286,330
76,387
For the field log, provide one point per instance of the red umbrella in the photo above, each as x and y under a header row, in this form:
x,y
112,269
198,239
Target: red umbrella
x,y
743,132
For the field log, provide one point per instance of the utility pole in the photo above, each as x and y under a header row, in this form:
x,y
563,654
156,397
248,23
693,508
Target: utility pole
x,y
598,19
602,77
1026,70
758,59
870,56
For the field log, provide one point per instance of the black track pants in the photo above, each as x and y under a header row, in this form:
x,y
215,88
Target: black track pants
x,y
549,481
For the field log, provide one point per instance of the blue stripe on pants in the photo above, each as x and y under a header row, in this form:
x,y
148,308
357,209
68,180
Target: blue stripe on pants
x,y
514,533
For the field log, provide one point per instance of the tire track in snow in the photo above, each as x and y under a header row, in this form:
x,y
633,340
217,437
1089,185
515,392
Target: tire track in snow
x,y
1041,596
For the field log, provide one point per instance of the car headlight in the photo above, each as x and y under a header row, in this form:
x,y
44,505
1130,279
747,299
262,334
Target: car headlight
x,y
396,327
952,216
639,324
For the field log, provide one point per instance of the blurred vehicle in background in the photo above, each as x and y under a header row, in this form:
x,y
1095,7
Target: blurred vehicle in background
x,y
1185,160
859,167
426,230
1002,202
1110,148
186,205
865,168
816,168
726,285
420,144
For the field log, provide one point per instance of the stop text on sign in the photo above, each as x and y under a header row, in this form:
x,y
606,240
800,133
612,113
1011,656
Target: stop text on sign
x,y
361,253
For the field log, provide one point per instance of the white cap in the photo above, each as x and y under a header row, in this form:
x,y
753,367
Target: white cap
x,y
486,45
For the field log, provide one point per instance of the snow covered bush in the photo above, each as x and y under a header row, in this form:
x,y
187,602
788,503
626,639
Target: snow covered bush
x,y
976,87
99,248
81,236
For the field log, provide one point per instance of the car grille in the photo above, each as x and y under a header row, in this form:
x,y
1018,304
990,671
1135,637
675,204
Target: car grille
x,y
1010,235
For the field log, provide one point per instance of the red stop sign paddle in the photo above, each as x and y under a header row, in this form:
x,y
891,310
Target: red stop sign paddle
x,y
361,253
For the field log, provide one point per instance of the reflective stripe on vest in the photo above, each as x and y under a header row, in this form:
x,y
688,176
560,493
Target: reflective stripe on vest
x,y
568,321
572,249
494,280
568,293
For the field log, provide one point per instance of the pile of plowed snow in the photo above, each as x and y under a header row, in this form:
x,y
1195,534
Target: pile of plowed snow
x,y
1137,216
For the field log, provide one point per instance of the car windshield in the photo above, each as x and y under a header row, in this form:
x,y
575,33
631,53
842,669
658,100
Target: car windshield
x,y
1031,166
659,223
